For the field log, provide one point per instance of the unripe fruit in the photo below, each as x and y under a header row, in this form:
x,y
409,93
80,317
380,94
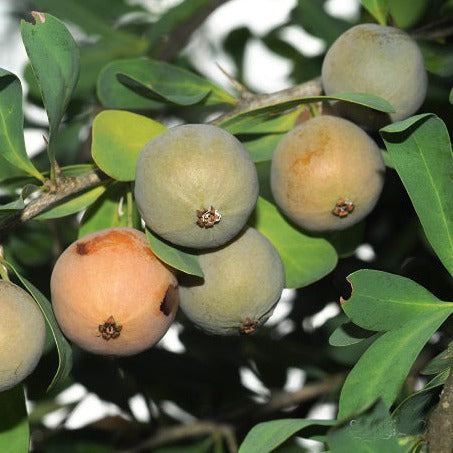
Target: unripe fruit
x,y
22,335
384,61
242,283
196,185
326,174
111,295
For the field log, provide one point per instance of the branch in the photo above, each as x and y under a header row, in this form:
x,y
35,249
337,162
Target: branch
x,y
310,88
435,30
440,427
66,186
277,402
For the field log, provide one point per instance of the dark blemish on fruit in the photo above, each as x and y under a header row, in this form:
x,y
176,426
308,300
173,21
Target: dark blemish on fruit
x,y
82,248
110,329
248,327
170,300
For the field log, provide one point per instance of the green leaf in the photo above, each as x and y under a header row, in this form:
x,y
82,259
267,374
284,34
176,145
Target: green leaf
x,y
383,301
63,347
348,333
421,152
109,210
12,143
382,369
262,149
440,363
438,58
406,13
118,138
306,259
73,204
410,415
122,81
15,205
55,59
14,429
266,436
371,432
250,119
379,9
177,258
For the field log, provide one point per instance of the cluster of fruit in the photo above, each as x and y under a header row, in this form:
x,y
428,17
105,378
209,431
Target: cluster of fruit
x,y
196,186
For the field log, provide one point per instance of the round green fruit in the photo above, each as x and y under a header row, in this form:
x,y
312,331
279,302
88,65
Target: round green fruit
x,y
384,61
22,334
326,174
195,185
243,282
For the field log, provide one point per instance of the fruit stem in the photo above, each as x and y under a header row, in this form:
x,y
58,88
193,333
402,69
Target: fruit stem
x,y
3,268
129,207
314,110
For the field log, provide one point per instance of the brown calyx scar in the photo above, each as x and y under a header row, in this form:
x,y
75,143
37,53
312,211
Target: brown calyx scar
x,y
207,218
343,208
248,327
110,329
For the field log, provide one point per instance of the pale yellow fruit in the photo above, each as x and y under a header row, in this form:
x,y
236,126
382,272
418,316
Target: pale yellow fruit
x,y
326,174
384,61
22,334
195,185
111,295
243,281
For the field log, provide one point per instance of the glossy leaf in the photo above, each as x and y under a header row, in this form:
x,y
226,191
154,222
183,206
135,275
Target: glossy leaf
x,y
14,429
371,432
382,369
421,152
110,210
348,333
266,436
121,81
63,347
379,9
12,143
383,301
306,259
252,118
73,204
177,258
55,59
118,138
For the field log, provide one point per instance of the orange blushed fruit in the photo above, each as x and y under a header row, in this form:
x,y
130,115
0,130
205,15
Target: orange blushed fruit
x,y
111,295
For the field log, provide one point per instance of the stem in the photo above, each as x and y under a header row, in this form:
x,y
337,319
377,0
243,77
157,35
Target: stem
x,y
3,268
129,207
440,427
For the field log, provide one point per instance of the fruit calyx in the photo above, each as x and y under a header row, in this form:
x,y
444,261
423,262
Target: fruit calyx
x,y
248,327
207,218
110,329
343,208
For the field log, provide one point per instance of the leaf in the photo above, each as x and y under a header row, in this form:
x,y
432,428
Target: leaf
x,y
306,259
55,59
175,257
262,149
421,152
72,205
108,211
381,370
266,436
371,432
450,97
14,429
440,363
15,205
63,347
348,333
121,82
406,13
379,9
118,138
383,301
251,119
410,415
12,143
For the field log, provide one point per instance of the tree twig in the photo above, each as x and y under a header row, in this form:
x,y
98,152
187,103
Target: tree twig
x,y
66,187
440,427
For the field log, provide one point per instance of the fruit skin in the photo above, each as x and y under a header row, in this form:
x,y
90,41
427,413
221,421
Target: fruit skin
x,y
22,334
384,61
243,282
113,273
319,163
192,168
